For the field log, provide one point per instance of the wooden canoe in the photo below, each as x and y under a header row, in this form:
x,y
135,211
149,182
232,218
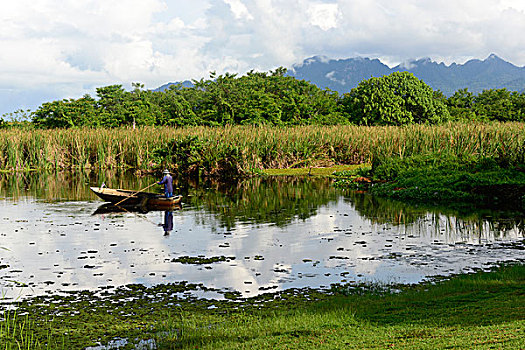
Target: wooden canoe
x,y
143,199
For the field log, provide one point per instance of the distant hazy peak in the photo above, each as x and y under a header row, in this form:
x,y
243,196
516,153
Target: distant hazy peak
x,y
343,74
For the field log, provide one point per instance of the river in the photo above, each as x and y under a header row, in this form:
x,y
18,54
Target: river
x,y
252,236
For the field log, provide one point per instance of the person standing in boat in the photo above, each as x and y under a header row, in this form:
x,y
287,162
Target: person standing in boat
x,y
167,181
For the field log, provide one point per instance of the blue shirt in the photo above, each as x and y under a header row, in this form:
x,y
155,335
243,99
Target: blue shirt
x,y
167,180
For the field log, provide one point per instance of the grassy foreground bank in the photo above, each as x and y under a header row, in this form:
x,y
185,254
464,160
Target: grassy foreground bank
x,y
477,311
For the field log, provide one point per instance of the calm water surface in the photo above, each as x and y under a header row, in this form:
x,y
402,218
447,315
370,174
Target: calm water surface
x,y
270,234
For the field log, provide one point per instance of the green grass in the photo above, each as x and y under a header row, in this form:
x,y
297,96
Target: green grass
x,y
319,171
456,180
480,311
20,332
476,311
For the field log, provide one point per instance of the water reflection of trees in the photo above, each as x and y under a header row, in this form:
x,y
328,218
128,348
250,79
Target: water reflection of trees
x,y
274,200
380,210
477,230
465,225
269,200
65,185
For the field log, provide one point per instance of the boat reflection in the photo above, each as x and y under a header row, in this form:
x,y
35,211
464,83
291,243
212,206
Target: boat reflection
x,y
108,208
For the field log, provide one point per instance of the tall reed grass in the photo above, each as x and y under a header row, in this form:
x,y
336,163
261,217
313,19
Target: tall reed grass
x,y
255,147
17,332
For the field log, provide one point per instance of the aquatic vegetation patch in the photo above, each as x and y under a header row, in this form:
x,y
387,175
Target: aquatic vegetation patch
x,y
202,260
19,331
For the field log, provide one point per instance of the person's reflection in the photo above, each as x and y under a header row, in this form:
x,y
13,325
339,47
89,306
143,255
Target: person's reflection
x,y
168,222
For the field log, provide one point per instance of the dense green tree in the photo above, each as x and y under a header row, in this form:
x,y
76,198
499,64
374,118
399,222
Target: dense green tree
x,y
500,104
215,104
67,113
260,105
111,106
460,105
518,105
141,107
396,99
263,98
174,108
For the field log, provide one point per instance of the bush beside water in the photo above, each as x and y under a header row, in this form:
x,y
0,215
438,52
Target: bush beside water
x,y
431,178
457,164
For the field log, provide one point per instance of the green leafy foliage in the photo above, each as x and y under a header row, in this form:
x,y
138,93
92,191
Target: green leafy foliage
x,y
182,153
254,99
175,106
500,105
66,113
438,178
493,104
460,105
263,98
114,107
396,99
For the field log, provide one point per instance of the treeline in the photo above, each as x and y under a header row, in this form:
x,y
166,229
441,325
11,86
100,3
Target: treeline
x,y
254,99
272,98
493,104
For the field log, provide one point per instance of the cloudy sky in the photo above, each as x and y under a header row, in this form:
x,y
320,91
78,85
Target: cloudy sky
x,y
53,49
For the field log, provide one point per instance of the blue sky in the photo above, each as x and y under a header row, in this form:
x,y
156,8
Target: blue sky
x,y
64,49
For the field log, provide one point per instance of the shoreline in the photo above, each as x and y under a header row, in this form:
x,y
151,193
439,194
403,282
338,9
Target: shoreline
x,y
468,306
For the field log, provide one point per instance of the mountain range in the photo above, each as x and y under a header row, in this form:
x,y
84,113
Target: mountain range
x,y
344,74
476,75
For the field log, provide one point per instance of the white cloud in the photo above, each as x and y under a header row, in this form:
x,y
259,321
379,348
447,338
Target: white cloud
x,y
325,16
331,76
239,9
76,40
74,47
518,5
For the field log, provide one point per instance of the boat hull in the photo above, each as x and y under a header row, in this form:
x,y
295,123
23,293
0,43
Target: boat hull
x,y
132,198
